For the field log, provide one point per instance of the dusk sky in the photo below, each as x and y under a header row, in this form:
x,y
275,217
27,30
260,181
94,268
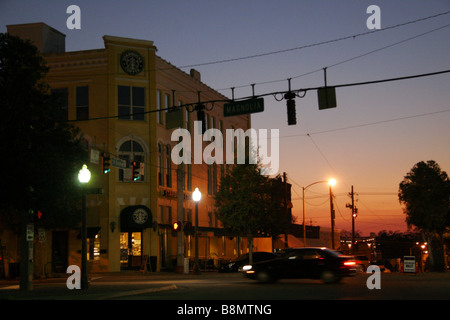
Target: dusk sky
x,y
374,136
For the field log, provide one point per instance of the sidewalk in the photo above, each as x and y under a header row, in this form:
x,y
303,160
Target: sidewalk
x,y
102,286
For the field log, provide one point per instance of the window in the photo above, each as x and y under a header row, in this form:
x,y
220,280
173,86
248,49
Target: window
x,y
165,213
131,151
160,165
158,107
189,177
166,103
62,98
212,179
186,119
168,168
131,103
82,102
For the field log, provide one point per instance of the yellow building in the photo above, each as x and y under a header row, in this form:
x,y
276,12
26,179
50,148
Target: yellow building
x,y
113,95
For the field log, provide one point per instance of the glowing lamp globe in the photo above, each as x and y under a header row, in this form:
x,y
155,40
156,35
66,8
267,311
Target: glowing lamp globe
x,y
196,195
84,175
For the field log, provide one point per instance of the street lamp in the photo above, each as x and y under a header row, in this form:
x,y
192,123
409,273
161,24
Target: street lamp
x,y
196,196
84,175
330,182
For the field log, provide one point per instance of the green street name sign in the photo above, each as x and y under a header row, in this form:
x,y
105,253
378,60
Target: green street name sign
x,y
243,107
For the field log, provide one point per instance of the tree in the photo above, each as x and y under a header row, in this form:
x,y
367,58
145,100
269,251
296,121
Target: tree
x,y
40,154
249,203
425,193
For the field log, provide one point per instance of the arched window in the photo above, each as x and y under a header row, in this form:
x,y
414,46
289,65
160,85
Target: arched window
x,y
132,152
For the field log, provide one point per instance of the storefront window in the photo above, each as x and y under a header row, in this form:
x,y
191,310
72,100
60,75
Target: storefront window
x,y
94,248
130,249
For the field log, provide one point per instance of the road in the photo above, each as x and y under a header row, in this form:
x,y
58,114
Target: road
x,y
235,287
216,286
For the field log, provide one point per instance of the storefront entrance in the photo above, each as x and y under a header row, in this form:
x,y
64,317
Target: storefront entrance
x,y
133,221
130,250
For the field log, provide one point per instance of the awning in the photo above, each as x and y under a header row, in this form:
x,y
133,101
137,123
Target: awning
x,y
91,232
135,218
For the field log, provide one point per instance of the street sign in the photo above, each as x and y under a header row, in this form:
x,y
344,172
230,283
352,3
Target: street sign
x,y
30,232
118,163
95,156
326,97
409,264
237,108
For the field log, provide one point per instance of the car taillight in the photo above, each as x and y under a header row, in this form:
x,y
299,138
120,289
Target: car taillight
x,y
349,263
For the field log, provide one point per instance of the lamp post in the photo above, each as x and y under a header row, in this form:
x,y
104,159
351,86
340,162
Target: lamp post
x,y
330,183
84,176
196,196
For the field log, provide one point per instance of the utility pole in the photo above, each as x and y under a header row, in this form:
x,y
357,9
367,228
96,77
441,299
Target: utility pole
x,y
332,218
354,211
286,211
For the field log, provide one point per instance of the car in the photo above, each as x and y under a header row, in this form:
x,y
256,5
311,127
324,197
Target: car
x,y
307,263
363,261
239,262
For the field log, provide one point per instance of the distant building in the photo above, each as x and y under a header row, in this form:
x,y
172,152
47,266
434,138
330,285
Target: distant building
x,y
114,93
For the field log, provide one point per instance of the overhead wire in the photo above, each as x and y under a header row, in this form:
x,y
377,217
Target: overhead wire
x,y
314,44
271,94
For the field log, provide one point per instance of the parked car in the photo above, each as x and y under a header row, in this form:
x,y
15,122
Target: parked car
x,y
310,263
239,262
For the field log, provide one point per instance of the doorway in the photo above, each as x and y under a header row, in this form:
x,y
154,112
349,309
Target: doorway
x,y
60,251
130,250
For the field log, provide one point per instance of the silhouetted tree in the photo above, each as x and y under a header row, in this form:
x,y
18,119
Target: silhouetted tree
x,y
40,155
250,203
425,193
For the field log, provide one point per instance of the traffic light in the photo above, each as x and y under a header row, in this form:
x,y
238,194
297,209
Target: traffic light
x,y
187,227
106,162
136,170
176,226
292,118
201,116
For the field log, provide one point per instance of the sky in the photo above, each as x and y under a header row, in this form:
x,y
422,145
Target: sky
x,y
374,136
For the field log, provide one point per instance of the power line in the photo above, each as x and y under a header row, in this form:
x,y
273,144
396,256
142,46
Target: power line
x,y
313,44
346,60
367,124
270,94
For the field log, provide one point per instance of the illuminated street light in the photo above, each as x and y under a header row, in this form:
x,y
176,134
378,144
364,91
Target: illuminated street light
x,y
196,196
84,175
332,182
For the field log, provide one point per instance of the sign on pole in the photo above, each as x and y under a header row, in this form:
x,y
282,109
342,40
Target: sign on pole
x,y
409,264
237,108
118,163
326,97
30,232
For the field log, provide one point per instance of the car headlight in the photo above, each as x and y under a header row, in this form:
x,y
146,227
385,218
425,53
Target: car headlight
x,y
246,268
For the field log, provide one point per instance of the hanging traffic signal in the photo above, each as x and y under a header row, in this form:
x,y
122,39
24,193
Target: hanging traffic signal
x,y
106,162
136,170
292,117
201,116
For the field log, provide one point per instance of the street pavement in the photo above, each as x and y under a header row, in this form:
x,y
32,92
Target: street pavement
x,y
102,286
212,285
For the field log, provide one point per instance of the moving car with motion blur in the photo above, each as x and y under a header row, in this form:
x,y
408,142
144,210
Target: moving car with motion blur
x,y
303,263
237,264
